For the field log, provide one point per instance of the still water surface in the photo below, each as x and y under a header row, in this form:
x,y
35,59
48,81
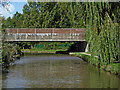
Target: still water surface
x,y
57,71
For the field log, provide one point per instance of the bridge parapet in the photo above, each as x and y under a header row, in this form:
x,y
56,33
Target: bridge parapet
x,y
45,34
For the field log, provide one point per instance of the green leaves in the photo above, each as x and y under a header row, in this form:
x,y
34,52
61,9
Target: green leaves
x,y
49,15
102,31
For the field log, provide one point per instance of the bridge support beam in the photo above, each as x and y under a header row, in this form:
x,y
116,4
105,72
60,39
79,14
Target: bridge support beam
x,y
86,50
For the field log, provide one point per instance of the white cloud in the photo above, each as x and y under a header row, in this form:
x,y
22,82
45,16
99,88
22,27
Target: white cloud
x,y
10,8
7,10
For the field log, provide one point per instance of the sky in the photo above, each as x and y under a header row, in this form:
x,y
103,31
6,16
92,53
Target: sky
x,y
12,8
18,6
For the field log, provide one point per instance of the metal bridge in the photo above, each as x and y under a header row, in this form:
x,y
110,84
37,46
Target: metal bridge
x,y
45,34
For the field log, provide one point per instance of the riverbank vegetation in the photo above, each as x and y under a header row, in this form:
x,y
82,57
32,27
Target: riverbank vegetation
x,y
101,20
9,52
47,47
112,67
103,36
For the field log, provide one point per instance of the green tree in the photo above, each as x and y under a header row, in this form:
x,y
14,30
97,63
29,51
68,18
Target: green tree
x,y
15,22
102,26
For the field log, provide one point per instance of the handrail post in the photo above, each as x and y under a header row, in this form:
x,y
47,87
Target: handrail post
x,y
53,34
16,34
35,34
70,35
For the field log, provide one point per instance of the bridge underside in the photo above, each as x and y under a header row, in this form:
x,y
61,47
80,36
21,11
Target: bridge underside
x,y
45,35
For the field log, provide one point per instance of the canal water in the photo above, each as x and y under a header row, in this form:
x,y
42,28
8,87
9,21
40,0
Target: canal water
x,y
57,71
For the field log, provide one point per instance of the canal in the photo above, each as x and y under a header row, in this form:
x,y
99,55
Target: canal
x,y
57,71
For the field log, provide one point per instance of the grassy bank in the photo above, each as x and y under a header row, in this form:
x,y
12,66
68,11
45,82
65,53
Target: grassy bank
x,y
38,51
112,68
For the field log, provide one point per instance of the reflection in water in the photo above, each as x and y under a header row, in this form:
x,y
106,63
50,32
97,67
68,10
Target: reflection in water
x,y
57,71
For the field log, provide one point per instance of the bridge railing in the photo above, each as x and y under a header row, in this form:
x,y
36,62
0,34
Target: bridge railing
x,y
45,34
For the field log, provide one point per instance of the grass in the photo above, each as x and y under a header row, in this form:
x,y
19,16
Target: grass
x,y
84,56
113,68
37,50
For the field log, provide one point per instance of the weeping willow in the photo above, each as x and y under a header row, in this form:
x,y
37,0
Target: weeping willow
x,y
102,32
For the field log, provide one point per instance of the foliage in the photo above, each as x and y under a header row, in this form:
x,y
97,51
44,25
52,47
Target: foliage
x,y
9,54
9,51
48,15
14,22
102,24
46,45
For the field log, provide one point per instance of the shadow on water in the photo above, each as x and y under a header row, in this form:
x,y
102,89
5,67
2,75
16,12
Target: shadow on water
x,y
76,47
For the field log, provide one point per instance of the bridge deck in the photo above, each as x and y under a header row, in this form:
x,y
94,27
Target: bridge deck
x,y
45,34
